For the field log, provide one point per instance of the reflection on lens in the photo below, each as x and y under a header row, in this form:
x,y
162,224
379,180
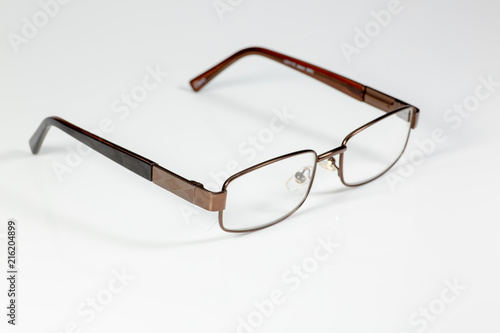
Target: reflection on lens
x,y
375,149
269,193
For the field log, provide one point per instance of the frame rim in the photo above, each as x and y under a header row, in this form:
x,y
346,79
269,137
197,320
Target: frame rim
x,y
259,166
413,111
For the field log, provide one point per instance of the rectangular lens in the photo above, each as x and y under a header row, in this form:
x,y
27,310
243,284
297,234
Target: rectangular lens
x,y
374,148
269,192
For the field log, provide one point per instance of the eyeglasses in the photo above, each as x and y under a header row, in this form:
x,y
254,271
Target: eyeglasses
x,y
269,192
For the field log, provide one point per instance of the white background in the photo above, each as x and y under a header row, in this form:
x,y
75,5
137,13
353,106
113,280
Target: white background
x,y
398,244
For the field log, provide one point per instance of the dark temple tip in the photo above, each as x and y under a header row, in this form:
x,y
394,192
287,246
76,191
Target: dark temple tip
x,y
198,83
34,146
36,139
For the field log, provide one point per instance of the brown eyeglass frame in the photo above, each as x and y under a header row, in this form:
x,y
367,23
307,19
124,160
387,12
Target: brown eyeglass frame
x,y
195,192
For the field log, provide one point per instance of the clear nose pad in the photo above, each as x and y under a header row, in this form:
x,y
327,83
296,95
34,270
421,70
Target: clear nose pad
x,y
301,179
329,164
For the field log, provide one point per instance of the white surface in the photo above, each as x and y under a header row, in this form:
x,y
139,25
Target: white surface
x,y
397,245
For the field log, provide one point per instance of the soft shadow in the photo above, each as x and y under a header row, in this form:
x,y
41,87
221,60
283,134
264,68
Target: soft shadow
x,y
80,226
19,154
235,106
311,208
334,191
14,154
221,83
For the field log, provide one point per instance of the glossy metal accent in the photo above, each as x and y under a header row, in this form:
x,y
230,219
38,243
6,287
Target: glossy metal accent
x,y
191,191
381,101
387,103
329,164
211,201
332,153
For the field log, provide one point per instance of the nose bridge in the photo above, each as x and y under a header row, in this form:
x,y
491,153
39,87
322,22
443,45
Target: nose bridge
x,y
331,153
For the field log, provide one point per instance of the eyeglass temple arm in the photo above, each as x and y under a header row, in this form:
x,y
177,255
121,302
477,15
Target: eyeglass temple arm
x,y
189,190
354,89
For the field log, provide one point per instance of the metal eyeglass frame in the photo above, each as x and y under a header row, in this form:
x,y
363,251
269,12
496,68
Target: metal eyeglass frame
x,y
195,192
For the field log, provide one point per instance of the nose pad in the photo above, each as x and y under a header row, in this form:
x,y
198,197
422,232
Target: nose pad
x,y
299,179
329,164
